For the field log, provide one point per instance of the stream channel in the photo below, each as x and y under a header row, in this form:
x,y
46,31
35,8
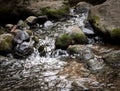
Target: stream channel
x,y
56,70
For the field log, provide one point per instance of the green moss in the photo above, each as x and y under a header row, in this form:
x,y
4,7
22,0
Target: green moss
x,y
115,33
63,41
55,13
79,38
71,50
96,19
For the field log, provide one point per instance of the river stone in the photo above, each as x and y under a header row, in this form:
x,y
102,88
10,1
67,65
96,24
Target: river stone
x,y
21,36
113,58
6,43
31,20
23,50
105,18
73,35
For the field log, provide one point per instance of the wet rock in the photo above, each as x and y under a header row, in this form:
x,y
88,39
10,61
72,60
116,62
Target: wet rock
x,y
112,58
20,36
23,50
73,35
105,19
6,43
48,24
31,20
88,32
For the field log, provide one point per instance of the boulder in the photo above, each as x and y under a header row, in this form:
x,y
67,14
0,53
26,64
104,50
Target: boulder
x,y
73,35
6,43
23,50
105,19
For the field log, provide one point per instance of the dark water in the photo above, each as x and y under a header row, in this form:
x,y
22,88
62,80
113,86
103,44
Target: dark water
x,y
56,70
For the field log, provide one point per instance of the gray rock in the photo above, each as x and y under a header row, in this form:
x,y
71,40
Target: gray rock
x,y
24,49
105,18
21,36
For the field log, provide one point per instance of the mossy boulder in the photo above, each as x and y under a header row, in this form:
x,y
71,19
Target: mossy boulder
x,y
73,35
55,13
63,41
105,19
6,43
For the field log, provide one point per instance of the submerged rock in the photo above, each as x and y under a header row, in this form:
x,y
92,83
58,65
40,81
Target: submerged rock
x,y
6,43
73,35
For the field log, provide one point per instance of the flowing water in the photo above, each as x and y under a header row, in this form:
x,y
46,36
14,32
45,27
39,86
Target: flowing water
x,y
56,70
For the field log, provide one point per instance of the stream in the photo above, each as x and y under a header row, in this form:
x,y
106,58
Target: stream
x,y
56,70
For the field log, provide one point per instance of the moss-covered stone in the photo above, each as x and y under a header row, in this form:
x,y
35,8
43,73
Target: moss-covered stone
x,y
79,38
74,35
55,13
115,33
63,41
6,43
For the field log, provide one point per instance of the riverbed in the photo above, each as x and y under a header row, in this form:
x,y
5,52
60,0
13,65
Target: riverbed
x,y
57,70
